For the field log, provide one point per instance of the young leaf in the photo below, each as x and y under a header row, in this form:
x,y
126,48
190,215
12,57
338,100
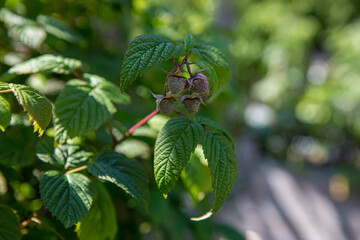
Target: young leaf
x,y
174,144
68,196
100,223
189,42
210,73
145,52
36,105
5,114
222,161
67,156
58,28
44,63
9,224
84,106
10,18
125,173
210,54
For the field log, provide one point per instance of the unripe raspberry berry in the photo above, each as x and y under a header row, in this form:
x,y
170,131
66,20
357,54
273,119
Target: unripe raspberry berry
x,y
166,105
176,84
201,88
191,104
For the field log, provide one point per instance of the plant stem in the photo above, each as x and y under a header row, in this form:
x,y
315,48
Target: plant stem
x,y
136,126
35,217
180,113
113,138
77,74
6,91
77,169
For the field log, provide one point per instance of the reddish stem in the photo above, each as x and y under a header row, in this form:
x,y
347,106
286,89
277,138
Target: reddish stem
x,y
180,113
77,74
136,126
6,91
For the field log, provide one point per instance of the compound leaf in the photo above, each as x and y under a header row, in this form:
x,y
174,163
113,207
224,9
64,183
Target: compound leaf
x,y
210,73
58,28
145,52
5,114
84,106
210,54
44,63
174,144
125,173
36,105
29,33
68,196
188,42
9,224
222,162
100,223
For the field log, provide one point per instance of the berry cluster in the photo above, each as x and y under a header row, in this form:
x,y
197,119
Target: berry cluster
x,y
176,85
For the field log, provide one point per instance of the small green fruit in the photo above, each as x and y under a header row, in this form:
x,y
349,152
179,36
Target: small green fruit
x,y
176,84
201,88
166,105
191,104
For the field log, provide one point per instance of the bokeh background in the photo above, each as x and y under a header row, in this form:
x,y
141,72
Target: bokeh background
x,y
292,106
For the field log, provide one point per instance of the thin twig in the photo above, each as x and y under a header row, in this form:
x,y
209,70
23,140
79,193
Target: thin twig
x,y
180,113
77,74
136,126
35,217
77,169
113,138
6,91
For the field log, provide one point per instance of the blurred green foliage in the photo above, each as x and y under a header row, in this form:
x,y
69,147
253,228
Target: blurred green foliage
x,y
294,88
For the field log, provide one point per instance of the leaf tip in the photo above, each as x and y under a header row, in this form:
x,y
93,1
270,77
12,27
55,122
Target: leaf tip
x,y
165,196
203,217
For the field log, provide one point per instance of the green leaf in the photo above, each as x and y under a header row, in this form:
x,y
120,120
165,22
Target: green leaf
x,y
9,224
210,54
68,156
219,152
29,33
68,196
145,52
84,106
5,114
58,28
189,42
196,175
36,105
110,90
44,63
210,73
211,124
11,19
100,223
125,173
175,142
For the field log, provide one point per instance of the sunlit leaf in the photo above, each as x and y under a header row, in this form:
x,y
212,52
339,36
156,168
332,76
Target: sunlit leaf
x,y
145,52
36,105
58,28
45,63
30,34
124,172
5,114
175,142
68,196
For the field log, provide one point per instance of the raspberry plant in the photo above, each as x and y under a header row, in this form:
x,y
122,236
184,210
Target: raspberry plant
x,y
72,189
